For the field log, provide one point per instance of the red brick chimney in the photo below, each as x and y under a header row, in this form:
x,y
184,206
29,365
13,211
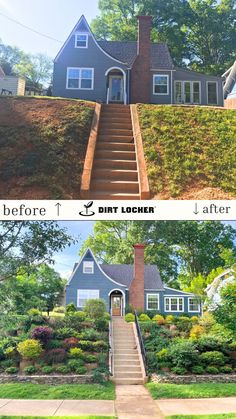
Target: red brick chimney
x,y
140,72
136,291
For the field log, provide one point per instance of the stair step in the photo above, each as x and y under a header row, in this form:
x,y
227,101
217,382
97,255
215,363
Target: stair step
x,y
115,174
126,364
128,374
115,106
101,145
115,164
128,381
116,138
115,154
116,131
114,125
114,196
114,186
110,118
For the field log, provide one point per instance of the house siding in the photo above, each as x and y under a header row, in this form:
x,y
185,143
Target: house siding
x,y
157,98
14,84
171,293
184,75
91,57
95,281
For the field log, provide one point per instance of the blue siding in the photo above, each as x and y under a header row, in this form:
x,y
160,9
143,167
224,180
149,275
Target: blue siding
x,y
171,293
95,281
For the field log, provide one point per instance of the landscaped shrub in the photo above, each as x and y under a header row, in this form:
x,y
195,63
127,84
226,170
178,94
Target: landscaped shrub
x,y
47,369
184,323
54,344
70,308
129,317
158,339
183,354
31,369
194,319
42,333
196,331
91,334
66,332
159,319
144,318
7,363
11,370
213,358
226,369
60,309
152,362
81,370
100,346
170,319
95,308
212,370
86,345
162,355
212,343
90,359
70,343
198,369
74,320
179,370
74,364
76,353
55,356
34,312
63,369
101,324
30,349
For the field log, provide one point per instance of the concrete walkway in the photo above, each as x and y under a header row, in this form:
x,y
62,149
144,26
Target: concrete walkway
x,y
197,406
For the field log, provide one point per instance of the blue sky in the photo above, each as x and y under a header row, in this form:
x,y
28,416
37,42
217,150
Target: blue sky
x,y
55,18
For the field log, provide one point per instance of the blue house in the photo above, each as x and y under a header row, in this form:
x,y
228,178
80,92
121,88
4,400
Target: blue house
x,y
128,72
138,285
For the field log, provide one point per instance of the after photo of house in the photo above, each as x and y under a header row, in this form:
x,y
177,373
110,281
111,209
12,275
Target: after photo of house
x,y
117,319
118,100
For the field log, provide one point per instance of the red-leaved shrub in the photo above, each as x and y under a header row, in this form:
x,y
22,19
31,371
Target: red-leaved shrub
x,y
70,343
42,333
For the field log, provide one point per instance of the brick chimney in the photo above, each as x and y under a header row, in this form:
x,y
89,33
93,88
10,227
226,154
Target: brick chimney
x,y
136,291
140,72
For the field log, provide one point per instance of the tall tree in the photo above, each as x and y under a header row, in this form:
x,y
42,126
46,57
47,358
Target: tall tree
x,y
181,249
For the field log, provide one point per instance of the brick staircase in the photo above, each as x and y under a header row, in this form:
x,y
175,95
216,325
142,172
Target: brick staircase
x,y
115,174
127,365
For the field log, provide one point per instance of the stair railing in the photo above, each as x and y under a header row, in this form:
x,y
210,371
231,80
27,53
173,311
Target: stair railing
x,y
108,93
140,339
111,349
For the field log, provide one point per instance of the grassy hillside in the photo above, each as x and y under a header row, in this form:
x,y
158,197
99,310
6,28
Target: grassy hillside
x,y
43,143
190,151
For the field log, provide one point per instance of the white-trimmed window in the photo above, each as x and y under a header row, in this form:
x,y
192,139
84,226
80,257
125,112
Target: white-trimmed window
x,y
80,78
81,40
212,93
174,304
88,267
84,295
188,92
193,305
160,84
152,301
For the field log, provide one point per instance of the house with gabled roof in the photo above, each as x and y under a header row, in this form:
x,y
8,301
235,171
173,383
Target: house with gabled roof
x,y
128,72
138,285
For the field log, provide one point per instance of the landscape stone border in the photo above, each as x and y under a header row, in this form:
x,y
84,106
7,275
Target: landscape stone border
x,y
46,379
189,379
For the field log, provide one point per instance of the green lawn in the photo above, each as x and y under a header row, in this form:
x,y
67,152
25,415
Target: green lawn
x,y
222,415
47,392
61,417
188,147
188,391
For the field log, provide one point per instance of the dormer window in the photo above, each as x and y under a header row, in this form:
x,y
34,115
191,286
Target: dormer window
x,y
81,40
88,267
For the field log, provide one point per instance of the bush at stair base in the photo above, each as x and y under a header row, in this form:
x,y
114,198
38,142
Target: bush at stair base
x,y
129,318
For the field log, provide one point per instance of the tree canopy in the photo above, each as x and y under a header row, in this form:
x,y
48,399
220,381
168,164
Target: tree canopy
x,y
181,249
200,33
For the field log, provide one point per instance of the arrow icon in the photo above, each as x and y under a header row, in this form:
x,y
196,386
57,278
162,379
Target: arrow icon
x,y
58,205
196,209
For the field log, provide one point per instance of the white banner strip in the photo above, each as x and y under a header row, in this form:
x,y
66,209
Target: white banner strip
x,y
118,210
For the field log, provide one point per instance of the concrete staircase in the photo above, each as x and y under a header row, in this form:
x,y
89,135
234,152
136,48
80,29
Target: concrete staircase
x,y
126,363
115,174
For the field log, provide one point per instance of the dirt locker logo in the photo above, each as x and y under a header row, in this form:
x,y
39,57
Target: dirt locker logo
x,y
87,212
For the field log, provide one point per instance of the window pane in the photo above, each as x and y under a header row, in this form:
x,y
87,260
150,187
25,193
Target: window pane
x,y
152,302
161,80
178,93
160,84
73,83
193,304
212,95
74,73
187,92
196,92
180,304
86,74
81,40
86,84
160,89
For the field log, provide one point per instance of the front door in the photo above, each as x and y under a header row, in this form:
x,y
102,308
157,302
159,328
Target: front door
x,y
116,93
116,305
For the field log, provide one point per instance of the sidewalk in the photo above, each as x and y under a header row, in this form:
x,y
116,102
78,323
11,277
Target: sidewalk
x,y
197,406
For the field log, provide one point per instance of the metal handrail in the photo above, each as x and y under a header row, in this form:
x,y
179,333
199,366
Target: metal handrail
x,y
111,349
140,338
108,92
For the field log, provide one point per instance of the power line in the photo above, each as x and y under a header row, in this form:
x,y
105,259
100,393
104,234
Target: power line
x,y
30,29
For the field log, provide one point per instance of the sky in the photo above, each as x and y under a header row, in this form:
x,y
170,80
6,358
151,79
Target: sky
x,y
55,18
64,261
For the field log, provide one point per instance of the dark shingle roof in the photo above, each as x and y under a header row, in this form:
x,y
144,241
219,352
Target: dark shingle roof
x,y
127,52
124,274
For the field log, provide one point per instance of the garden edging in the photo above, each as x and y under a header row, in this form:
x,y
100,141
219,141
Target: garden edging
x,y
46,379
189,379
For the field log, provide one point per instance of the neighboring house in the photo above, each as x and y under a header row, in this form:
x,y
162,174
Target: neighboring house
x,y
138,285
230,87
128,72
11,85
213,289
